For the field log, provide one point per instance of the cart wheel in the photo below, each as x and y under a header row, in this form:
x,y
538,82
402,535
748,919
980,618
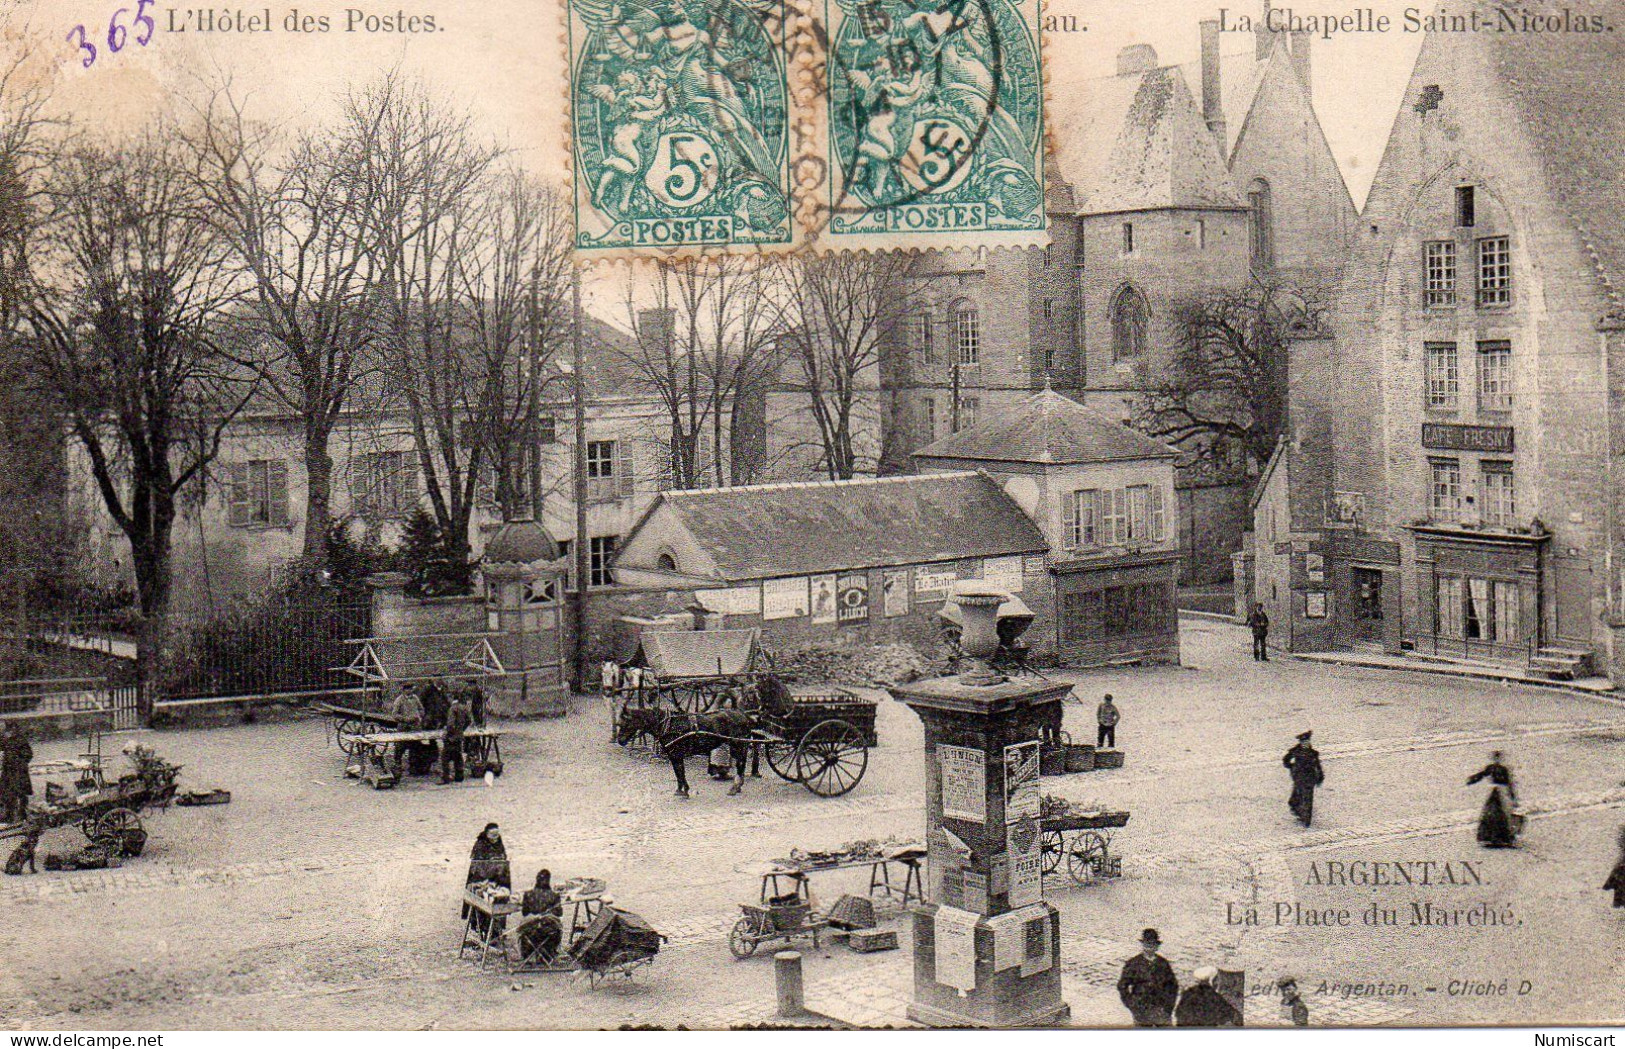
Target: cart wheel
x,y
1087,860
346,728
114,825
781,758
622,964
87,827
742,940
1052,843
832,758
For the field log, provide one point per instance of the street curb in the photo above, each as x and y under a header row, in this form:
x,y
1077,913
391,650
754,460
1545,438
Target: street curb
x,y
1445,670
1218,617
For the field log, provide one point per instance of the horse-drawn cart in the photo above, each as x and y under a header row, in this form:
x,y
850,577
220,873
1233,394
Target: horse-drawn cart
x,y
820,739
1083,841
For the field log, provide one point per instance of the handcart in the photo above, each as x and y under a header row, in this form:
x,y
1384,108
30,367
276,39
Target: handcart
x,y
1081,840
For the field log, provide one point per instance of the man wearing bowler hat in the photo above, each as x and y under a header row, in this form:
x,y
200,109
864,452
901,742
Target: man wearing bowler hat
x,y
1148,986
1303,762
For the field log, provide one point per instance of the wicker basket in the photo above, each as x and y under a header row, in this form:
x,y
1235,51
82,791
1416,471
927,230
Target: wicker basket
x,y
1080,757
787,917
1108,759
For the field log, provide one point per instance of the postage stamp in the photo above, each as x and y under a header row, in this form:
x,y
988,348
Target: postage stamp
x,y
679,113
935,123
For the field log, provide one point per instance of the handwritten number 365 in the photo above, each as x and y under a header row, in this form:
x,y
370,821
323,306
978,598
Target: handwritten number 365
x,y
117,34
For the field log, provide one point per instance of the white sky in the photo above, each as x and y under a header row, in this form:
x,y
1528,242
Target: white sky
x,y
504,59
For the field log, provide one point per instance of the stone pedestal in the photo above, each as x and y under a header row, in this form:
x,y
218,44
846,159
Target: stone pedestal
x,y
987,948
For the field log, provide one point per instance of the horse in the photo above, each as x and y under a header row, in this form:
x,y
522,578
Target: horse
x,y
683,736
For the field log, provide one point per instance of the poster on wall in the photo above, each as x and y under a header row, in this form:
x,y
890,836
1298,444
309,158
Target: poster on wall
x,y
964,783
1314,605
1003,572
1315,565
934,581
784,598
823,599
734,601
894,592
852,598
955,935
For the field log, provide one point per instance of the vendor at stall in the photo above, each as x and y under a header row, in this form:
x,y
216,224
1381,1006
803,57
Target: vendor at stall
x,y
543,909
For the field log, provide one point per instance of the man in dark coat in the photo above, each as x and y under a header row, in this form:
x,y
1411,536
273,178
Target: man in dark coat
x,y
1260,624
1303,761
458,720
1148,986
435,705
1203,1006
15,786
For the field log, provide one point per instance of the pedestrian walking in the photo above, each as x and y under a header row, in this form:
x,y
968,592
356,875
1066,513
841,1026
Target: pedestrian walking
x,y
15,787
1260,624
1616,880
1148,986
1201,1005
1498,821
1293,1010
1303,761
1107,716
458,720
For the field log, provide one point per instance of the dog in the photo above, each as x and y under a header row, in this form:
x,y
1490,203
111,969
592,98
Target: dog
x,y
23,855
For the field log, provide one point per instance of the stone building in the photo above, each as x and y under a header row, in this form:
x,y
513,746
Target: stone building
x,y
1449,484
1170,182
1050,501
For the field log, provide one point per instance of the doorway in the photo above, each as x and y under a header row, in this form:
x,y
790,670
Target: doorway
x,y
1368,607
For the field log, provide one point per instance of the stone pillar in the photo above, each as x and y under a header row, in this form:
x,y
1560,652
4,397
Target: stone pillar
x,y
986,949
523,608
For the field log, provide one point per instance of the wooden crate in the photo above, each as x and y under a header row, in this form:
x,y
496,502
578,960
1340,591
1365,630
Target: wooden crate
x,y
868,941
1108,759
1080,757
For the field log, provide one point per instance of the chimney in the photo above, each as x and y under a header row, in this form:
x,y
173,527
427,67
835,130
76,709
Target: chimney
x,y
1300,57
1212,93
1136,59
1263,36
656,330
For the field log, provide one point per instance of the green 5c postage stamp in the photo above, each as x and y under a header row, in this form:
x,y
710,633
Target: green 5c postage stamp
x,y
679,116
935,123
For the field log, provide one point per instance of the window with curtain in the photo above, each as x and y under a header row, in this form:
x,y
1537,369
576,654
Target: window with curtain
x,y
1500,505
1443,376
1495,376
1477,622
1507,613
1448,606
1445,494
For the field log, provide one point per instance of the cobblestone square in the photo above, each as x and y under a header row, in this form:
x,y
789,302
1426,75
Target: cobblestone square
x,y
313,901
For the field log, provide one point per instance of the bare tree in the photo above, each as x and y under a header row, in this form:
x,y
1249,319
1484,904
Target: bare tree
x,y
664,356
838,313
514,303
127,331
740,355
293,215
428,175
1225,385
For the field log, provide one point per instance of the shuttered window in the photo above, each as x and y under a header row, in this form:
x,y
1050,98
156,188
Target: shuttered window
x,y
609,471
258,494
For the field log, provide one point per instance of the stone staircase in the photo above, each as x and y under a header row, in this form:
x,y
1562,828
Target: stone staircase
x,y
1561,664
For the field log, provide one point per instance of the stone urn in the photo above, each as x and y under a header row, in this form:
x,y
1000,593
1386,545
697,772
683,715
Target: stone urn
x,y
979,631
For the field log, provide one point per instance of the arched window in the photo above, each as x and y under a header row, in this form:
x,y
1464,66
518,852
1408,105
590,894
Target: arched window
x,y
1260,227
666,562
1131,318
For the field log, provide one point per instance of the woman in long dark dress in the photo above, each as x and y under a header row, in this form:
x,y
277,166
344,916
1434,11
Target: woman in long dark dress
x,y
1616,880
488,861
1495,828
540,938
15,786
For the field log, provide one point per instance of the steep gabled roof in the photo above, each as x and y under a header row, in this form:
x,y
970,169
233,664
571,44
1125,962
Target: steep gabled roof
x,y
767,530
1566,89
1240,76
1141,143
1051,429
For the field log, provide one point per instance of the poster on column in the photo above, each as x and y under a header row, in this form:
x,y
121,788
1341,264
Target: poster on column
x,y
1026,861
1021,766
964,783
955,935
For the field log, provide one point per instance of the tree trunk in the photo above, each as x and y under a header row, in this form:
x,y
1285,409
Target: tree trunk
x,y
318,489
150,557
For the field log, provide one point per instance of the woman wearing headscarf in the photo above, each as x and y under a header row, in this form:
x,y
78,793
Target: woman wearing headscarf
x,y
1495,822
543,926
488,860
